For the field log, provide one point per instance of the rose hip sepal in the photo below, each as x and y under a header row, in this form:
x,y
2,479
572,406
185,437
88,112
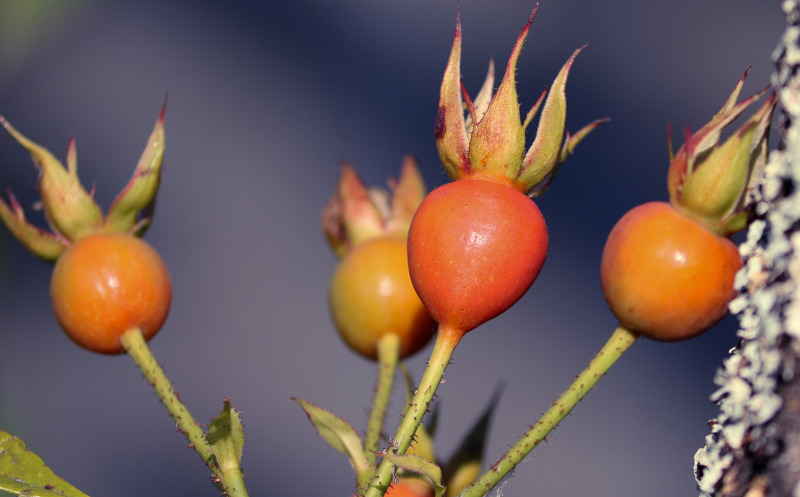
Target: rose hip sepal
x,y
476,245
667,270
96,315
371,295
372,301
110,290
709,181
70,210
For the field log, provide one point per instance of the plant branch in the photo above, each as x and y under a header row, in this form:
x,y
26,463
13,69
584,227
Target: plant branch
x,y
230,481
388,356
620,340
446,341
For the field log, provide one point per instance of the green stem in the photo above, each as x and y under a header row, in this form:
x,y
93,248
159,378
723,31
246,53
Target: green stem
x,y
134,343
446,341
620,340
233,483
388,356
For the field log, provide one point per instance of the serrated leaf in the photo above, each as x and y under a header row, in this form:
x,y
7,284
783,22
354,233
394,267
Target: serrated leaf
x,y
226,437
421,466
24,473
338,433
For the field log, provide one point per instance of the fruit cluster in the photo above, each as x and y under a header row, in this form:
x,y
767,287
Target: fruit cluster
x,y
415,268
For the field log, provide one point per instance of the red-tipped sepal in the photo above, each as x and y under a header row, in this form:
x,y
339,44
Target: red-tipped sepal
x,y
132,210
708,181
69,208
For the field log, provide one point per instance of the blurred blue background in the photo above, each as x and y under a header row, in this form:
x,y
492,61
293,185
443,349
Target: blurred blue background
x,y
265,101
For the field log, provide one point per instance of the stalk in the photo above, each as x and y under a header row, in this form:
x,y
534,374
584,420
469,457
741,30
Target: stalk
x,y
620,341
132,340
388,356
443,347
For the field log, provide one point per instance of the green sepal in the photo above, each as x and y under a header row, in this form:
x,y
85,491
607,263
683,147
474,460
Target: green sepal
x,y
709,182
337,433
713,190
69,208
420,466
699,144
497,141
408,191
24,473
570,143
226,437
42,244
450,127
139,195
545,152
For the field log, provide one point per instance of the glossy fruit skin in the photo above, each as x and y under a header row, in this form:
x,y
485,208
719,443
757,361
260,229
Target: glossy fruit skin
x,y
475,246
105,284
665,276
371,295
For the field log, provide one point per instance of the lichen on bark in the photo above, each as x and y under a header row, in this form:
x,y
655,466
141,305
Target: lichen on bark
x,y
754,445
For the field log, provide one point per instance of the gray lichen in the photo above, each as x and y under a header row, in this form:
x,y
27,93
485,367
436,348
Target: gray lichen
x,y
754,445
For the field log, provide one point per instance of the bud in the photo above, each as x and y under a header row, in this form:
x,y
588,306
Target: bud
x,y
708,181
356,213
70,210
490,141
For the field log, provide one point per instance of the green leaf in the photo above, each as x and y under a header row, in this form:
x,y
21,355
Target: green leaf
x,y
226,437
24,473
422,467
338,433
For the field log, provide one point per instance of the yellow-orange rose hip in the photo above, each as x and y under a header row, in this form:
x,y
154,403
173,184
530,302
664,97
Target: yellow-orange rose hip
x,y
665,276
105,284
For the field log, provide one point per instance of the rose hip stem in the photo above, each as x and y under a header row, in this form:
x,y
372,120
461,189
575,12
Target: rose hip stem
x,y
620,340
388,356
135,345
446,341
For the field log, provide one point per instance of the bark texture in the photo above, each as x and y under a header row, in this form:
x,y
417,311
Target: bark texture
x,y
754,445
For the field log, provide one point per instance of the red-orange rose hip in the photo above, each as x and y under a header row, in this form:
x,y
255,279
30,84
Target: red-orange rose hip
x,y
665,276
105,284
475,246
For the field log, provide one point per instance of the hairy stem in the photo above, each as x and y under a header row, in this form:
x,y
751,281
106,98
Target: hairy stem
x,y
446,341
134,344
132,340
388,356
620,340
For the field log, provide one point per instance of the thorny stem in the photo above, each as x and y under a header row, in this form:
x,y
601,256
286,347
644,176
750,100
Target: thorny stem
x,y
133,342
446,341
388,356
620,340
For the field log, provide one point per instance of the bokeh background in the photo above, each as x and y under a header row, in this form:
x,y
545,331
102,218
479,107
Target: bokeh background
x,y
266,99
